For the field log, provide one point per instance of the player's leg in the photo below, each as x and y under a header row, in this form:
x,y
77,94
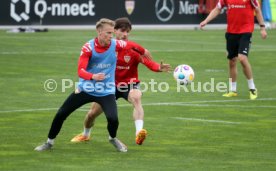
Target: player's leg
x,y
232,49
135,98
246,66
109,106
90,117
233,73
244,48
74,101
248,74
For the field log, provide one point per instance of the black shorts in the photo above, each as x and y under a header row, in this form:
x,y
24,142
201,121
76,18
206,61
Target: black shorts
x,y
123,91
237,44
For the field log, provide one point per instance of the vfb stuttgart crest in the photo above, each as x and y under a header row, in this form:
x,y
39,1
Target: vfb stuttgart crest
x,y
127,59
129,5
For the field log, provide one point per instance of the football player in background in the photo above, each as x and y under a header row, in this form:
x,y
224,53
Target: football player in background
x,y
240,25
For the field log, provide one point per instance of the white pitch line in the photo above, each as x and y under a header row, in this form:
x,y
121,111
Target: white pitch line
x,y
206,120
192,103
36,53
210,105
41,109
197,105
27,110
230,100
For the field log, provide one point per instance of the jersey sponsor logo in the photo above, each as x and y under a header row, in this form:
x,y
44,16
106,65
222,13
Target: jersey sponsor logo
x,y
129,6
127,58
23,15
164,9
101,66
231,6
122,67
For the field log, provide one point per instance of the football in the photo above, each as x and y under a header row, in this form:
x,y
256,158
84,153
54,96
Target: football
x,y
184,74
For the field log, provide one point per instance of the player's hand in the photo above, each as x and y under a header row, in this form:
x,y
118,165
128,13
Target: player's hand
x,y
202,24
165,67
263,33
98,77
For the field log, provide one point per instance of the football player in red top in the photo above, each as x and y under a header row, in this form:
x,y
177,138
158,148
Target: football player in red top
x,y
240,25
127,84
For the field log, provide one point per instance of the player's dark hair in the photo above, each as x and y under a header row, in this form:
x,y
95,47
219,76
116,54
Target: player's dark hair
x,y
123,23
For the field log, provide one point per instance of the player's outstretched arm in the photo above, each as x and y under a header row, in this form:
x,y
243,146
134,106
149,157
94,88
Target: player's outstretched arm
x,y
154,66
147,55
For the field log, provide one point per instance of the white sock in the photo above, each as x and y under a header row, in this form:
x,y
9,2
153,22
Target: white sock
x,y
50,141
251,84
110,138
87,131
139,125
234,86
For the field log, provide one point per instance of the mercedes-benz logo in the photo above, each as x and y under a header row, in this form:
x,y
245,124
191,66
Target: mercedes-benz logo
x,y
164,9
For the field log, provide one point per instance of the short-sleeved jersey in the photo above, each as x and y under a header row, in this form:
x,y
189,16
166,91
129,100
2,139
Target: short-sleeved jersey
x,y
127,67
240,15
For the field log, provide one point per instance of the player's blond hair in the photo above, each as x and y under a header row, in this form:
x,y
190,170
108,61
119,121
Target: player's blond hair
x,y
104,21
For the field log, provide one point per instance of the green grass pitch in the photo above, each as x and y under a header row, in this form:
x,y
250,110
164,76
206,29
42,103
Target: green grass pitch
x,y
187,130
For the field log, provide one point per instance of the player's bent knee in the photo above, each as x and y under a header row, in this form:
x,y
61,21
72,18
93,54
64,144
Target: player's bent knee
x,y
242,58
135,96
113,120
